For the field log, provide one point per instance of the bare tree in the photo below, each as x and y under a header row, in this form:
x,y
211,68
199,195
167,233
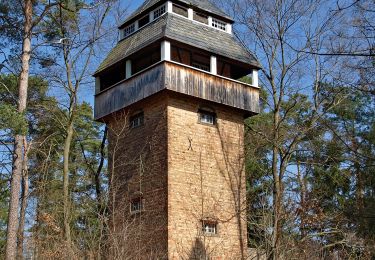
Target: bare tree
x,y
79,39
283,35
18,155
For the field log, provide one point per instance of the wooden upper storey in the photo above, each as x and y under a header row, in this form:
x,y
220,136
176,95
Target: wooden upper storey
x,y
175,77
183,46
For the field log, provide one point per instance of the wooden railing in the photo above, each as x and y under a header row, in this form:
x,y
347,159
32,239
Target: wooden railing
x,y
178,78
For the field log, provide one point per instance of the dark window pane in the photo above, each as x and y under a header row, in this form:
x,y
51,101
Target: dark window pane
x,y
159,12
136,205
207,117
145,60
143,21
112,76
137,120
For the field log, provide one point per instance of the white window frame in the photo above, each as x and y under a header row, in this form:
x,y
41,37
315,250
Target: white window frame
x,y
218,24
129,30
160,11
206,117
209,228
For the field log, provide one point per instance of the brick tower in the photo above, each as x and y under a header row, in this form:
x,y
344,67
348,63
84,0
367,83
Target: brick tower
x,y
170,95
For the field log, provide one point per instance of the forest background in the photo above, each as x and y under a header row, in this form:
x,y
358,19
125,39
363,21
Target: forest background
x,y
309,154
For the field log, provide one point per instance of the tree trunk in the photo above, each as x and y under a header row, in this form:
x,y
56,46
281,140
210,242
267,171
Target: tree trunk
x,y
24,197
98,188
276,190
66,192
10,252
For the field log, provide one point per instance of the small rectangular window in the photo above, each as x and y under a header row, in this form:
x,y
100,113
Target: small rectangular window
x,y
209,227
206,117
218,24
137,120
159,12
129,30
180,10
143,21
200,18
136,205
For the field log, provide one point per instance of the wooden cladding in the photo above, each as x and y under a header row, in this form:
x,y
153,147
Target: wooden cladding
x,y
181,79
210,87
129,92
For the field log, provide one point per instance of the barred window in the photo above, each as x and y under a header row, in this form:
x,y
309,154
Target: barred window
x,y
136,205
207,117
209,227
218,24
137,120
129,30
159,12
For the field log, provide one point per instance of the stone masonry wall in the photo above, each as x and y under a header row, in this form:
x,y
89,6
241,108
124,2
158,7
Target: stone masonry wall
x,y
185,172
140,171
206,181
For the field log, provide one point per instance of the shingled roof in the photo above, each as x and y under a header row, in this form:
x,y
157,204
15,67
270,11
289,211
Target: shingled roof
x,y
177,28
199,4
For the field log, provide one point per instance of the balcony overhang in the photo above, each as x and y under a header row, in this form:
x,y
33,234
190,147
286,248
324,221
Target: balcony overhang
x,y
176,77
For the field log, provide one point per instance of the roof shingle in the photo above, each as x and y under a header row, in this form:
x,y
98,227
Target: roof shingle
x,y
180,29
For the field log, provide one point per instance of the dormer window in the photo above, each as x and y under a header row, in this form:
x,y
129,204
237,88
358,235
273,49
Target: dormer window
x,y
219,24
129,30
143,21
159,12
